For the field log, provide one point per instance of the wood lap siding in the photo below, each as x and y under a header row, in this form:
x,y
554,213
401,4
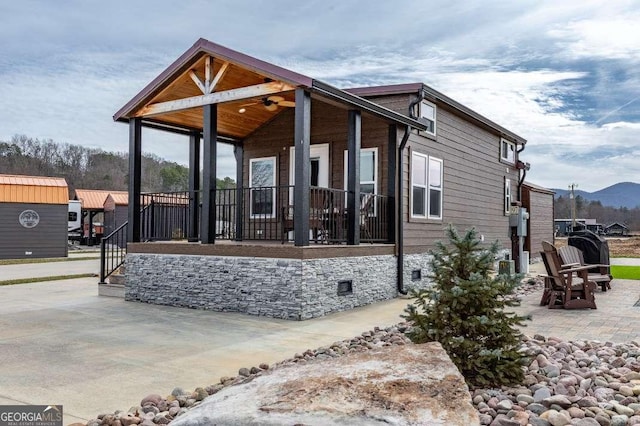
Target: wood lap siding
x,y
473,194
473,183
540,207
328,126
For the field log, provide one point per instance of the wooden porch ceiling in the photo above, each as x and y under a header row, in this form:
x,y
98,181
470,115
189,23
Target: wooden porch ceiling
x,y
232,87
208,73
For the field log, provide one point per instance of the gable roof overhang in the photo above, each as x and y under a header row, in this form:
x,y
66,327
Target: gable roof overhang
x,y
209,73
92,199
430,94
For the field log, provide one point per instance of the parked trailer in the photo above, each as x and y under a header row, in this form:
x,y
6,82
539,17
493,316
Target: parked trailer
x,y
74,226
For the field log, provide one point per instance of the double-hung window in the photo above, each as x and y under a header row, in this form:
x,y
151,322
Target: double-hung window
x,y
426,186
368,171
507,151
262,179
428,113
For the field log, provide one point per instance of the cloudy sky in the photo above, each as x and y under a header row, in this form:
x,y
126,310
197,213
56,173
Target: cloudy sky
x,y
564,75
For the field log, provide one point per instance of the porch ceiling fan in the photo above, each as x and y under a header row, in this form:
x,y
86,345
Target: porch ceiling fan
x,y
270,103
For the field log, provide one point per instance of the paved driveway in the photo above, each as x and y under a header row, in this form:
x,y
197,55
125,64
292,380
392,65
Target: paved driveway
x,y
60,343
50,269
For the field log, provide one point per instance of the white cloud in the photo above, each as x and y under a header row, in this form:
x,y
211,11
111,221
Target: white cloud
x,y
541,68
610,37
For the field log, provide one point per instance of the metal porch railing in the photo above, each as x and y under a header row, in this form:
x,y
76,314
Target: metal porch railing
x,y
266,215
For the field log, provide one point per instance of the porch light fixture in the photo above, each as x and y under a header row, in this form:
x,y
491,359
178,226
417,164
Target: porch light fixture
x,y
242,110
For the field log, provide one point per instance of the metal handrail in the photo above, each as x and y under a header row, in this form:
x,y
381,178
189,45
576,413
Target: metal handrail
x,y
113,248
112,256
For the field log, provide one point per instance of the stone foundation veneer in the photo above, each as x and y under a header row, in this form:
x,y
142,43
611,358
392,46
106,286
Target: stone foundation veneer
x,y
295,289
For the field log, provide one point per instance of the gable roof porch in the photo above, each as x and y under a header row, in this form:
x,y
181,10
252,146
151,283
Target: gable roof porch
x,y
220,95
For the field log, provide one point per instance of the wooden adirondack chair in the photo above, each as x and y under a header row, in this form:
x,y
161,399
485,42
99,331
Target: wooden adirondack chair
x,y
572,256
567,288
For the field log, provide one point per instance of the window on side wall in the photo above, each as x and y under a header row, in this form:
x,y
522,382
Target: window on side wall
x,y
368,171
428,113
507,151
507,196
262,179
426,186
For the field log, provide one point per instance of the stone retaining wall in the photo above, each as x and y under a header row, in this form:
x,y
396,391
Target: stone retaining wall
x,y
281,288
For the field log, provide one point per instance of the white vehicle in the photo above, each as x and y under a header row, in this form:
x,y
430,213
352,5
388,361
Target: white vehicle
x,y
74,227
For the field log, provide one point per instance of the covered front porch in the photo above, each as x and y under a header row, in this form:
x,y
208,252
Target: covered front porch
x,y
315,167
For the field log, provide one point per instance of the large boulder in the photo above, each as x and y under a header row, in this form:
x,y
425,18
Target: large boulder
x,y
400,385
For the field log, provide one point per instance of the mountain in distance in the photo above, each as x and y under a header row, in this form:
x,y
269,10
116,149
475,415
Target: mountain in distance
x,y
623,194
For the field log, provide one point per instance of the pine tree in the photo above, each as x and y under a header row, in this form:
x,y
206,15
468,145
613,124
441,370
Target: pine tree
x,y
464,310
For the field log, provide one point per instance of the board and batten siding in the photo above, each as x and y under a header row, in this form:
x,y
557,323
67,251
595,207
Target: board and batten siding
x,y
47,239
539,204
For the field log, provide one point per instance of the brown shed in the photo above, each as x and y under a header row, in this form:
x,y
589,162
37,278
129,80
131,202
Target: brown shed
x,y
539,203
115,210
92,214
33,217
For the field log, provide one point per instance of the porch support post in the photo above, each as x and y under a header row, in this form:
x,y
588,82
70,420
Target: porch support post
x,y
392,153
210,137
302,142
238,151
353,179
135,179
194,185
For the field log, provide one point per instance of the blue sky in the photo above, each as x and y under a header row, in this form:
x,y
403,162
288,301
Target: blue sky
x,y
564,75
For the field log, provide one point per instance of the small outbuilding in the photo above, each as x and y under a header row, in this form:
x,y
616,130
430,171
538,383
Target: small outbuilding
x,y
539,203
116,207
33,217
617,229
93,214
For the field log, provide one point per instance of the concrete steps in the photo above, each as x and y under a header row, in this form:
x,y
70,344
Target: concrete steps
x,y
115,285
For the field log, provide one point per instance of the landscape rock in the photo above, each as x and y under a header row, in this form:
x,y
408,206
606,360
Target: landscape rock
x,y
379,386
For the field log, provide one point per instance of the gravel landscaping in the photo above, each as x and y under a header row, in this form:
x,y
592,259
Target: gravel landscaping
x,y
578,383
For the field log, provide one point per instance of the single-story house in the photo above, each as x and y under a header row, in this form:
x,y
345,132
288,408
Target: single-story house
x,y
539,203
617,229
564,227
33,217
340,194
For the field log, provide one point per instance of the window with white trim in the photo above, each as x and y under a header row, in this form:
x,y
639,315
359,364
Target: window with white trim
x,y
426,186
507,151
262,180
428,112
507,196
368,172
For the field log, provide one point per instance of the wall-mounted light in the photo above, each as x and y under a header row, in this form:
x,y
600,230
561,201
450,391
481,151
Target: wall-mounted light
x,y
242,110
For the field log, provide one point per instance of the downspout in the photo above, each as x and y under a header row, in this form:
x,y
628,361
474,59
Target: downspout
x,y
524,174
400,217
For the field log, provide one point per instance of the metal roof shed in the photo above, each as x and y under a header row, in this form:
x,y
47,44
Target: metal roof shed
x,y
33,217
116,207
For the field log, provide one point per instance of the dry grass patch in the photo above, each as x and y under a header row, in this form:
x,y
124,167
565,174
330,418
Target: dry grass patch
x,y
618,246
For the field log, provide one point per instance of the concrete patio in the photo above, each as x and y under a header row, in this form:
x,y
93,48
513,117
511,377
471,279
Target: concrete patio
x,y
60,343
